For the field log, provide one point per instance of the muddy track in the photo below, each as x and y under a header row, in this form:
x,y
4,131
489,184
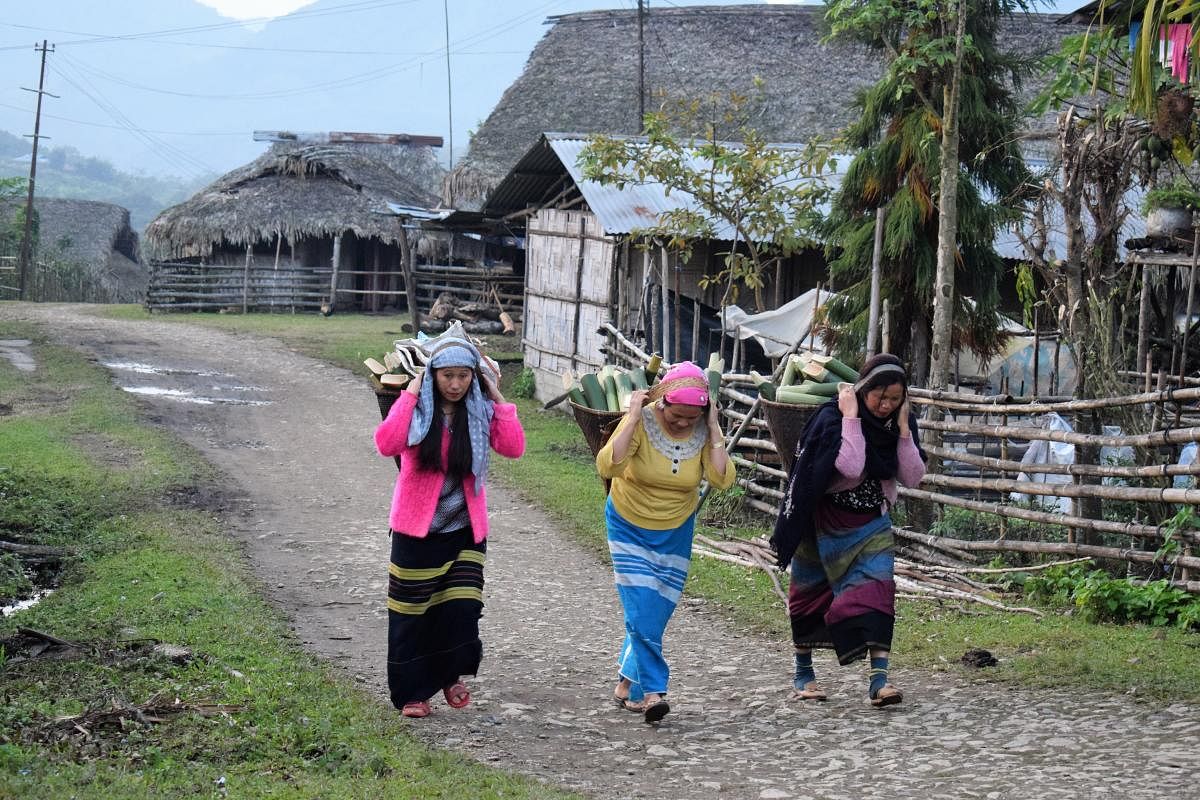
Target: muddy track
x,y
307,496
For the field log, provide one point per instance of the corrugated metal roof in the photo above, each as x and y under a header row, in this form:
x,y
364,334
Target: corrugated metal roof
x,y
1008,243
623,210
636,205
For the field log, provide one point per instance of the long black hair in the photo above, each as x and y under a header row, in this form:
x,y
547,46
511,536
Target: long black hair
x,y
429,453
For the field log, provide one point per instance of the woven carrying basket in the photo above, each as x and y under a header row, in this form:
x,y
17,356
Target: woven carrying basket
x,y
786,422
386,397
597,426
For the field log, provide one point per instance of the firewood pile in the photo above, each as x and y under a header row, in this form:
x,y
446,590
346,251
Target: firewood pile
x,y
478,318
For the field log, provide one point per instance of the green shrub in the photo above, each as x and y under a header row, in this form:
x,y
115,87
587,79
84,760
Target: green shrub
x,y
524,385
1102,598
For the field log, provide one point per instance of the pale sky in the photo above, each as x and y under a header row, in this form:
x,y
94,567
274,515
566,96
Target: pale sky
x,y
254,9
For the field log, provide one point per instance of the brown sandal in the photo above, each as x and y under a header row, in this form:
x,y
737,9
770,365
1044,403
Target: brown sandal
x,y
811,691
889,695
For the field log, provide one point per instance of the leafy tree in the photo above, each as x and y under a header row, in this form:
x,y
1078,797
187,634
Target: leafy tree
x,y
768,197
12,213
944,111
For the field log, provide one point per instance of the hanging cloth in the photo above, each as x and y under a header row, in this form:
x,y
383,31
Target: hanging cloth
x,y
1179,36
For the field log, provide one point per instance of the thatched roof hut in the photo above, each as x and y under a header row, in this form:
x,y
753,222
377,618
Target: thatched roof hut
x,y
583,77
95,236
300,191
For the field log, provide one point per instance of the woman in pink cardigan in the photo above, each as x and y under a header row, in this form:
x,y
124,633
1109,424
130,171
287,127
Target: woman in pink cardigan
x,y
443,427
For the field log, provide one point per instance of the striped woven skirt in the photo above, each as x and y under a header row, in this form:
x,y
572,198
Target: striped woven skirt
x,y
649,568
843,591
435,599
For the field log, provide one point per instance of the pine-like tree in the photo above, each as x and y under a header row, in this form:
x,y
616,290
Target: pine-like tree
x,y
897,140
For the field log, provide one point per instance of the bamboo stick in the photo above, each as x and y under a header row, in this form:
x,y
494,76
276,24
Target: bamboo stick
x,y
769,471
764,491
607,327
1014,512
1074,548
1005,570
911,585
1156,439
1099,470
1132,493
957,402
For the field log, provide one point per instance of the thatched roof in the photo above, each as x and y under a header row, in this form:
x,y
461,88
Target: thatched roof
x,y
582,77
298,191
94,235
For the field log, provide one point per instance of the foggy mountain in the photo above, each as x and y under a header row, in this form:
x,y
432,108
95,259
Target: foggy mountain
x,y
368,65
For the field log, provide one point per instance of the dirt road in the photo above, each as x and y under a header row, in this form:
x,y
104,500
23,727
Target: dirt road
x,y
308,497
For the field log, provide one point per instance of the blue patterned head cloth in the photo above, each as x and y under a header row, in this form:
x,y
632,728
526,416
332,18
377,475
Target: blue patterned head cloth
x,y
455,352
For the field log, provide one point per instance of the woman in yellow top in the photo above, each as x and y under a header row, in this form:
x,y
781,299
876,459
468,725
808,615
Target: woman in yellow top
x,y
656,459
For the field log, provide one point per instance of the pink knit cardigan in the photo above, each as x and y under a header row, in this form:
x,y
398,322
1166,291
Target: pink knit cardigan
x,y
415,497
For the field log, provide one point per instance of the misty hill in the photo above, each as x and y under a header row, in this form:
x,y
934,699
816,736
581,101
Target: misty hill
x,y
200,91
65,172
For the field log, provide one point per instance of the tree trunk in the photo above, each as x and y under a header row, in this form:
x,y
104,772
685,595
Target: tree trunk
x,y
940,357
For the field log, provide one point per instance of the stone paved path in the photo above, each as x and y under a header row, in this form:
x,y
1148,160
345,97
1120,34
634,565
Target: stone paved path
x,y
308,497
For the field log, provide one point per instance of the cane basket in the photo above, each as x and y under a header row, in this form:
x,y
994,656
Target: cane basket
x,y
597,427
786,422
386,397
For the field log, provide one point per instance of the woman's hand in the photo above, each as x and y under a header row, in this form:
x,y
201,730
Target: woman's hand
x,y
714,423
637,399
414,386
490,389
848,402
905,410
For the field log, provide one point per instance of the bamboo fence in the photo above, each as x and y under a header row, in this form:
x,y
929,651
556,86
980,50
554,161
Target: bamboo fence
x,y
978,467
258,286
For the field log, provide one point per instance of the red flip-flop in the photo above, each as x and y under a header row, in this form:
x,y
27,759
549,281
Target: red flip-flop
x,y
416,709
457,695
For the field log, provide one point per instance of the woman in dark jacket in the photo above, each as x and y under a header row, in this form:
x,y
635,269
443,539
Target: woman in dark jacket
x,y
834,528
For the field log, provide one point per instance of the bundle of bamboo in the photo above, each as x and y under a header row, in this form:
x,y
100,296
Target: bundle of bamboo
x,y
807,379
610,388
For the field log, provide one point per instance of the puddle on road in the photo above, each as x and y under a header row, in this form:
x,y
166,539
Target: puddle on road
x,y
16,351
183,396
151,369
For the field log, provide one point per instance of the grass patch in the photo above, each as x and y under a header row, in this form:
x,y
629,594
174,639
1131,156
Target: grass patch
x,y
279,723
558,475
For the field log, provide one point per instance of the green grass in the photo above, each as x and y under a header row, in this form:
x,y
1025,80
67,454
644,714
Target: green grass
x,y
558,475
77,471
342,339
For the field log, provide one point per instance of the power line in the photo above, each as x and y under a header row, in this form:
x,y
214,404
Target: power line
x,y
167,152
348,80
95,38
121,127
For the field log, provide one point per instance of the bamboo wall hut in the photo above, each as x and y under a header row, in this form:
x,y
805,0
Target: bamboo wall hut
x,y
583,76
313,204
584,266
87,237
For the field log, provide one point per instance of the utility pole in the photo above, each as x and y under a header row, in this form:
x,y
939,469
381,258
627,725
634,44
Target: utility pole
x,y
449,94
641,22
26,237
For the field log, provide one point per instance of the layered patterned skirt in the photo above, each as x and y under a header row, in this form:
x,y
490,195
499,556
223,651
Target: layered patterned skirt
x,y
843,591
435,599
650,568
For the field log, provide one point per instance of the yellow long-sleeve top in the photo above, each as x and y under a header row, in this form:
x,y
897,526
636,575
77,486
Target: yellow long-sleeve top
x,y
656,486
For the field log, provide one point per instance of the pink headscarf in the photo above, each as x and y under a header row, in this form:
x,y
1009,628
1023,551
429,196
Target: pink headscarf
x,y
685,384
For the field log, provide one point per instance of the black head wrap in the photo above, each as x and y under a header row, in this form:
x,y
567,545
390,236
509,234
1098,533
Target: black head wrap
x,y
882,434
